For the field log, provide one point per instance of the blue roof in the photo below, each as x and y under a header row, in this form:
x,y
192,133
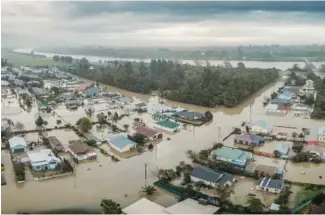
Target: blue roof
x,y
262,124
124,99
121,141
92,91
74,102
257,138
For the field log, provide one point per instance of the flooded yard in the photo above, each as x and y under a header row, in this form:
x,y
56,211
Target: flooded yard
x,y
104,178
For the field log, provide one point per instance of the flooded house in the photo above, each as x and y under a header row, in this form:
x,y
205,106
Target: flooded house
x,y
43,160
149,133
211,177
249,139
55,144
300,109
121,143
231,155
190,115
160,117
266,170
81,151
38,91
270,185
168,126
73,104
159,108
140,106
92,92
274,109
17,144
261,127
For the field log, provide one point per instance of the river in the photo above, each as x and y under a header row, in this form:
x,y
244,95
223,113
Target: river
x,y
113,180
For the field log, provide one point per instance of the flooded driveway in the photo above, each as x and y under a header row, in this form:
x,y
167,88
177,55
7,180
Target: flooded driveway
x,y
113,180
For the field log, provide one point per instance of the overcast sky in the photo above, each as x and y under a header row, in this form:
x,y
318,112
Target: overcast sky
x,y
165,24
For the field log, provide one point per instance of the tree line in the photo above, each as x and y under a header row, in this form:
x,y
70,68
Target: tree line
x,y
66,59
201,85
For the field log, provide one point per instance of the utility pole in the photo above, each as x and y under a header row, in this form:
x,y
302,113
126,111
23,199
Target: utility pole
x,y
145,174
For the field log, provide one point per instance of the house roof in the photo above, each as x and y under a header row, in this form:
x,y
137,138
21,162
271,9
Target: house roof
x,y
262,124
148,132
160,116
168,124
191,206
249,137
44,155
56,143
189,115
74,102
144,206
79,148
140,105
271,170
17,141
121,141
283,148
233,153
211,175
92,91
271,183
124,99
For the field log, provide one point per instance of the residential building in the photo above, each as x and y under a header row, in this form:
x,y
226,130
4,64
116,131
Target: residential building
x,y
149,133
249,139
190,115
159,108
283,147
92,92
261,127
123,100
300,109
270,185
308,88
321,134
141,106
75,102
160,117
43,160
276,110
266,170
112,95
55,144
81,151
121,143
211,177
17,144
168,125
231,155
187,206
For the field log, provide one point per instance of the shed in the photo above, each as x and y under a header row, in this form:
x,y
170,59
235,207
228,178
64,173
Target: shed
x,y
17,144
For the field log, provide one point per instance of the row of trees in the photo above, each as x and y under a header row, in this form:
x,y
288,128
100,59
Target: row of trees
x,y
205,86
66,59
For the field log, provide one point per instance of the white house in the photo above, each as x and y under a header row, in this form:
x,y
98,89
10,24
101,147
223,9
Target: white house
x,y
17,144
273,109
321,134
211,177
270,185
121,143
43,160
261,127
308,88
300,109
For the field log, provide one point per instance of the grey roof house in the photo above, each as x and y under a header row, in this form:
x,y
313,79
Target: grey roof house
x,y
270,185
190,115
212,177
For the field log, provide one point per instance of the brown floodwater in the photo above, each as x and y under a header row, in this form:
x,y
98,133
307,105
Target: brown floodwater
x,y
104,178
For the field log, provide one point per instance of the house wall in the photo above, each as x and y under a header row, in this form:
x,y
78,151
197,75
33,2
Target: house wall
x,y
271,190
195,179
166,128
125,149
44,166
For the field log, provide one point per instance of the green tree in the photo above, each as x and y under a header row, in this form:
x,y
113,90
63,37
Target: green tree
x,y
84,124
28,102
138,138
19,126
224,192
276,153
274,95
255,205
309,100
126,126
39,124
115,117
148,191
110,207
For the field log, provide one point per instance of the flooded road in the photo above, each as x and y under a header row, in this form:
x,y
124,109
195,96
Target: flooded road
x,y
114,180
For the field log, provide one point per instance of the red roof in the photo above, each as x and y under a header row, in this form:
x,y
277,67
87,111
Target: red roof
x,y
283,107
313,142
148,132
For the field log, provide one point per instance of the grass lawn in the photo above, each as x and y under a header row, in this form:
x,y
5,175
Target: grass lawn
x,y
28,60
304,194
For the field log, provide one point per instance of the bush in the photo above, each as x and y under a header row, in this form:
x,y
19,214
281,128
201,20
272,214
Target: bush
x,y
91,143
150,147
20,177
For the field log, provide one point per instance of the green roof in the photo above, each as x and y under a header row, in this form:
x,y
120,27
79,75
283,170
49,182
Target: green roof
x,y
233,153
168,124
160,116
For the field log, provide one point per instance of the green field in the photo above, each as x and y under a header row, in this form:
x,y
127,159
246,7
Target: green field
x,y
17,60
305,194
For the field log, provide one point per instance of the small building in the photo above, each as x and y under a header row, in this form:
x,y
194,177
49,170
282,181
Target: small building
x,y
283,148
123,100
92,92
266,170
270,185
75,102
275,110
121,143
261,127
282,136
211,177
81,151
43,160
168,125
141,106
17,144
249,139
231,155
159,108
112,95
160,117
149,133
300,109
55,144
190,115
38,91
321,134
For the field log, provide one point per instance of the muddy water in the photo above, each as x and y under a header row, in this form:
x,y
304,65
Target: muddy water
x,y
94,182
